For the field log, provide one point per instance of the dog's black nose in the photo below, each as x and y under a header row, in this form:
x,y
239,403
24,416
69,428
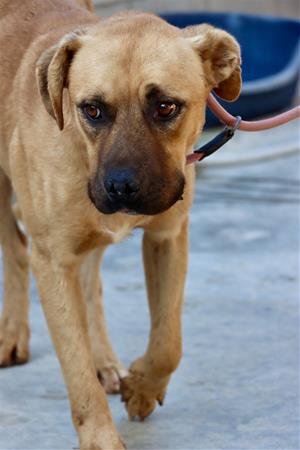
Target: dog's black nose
x,y
121,184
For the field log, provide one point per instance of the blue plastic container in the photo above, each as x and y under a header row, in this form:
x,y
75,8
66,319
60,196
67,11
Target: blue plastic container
x,y
270,54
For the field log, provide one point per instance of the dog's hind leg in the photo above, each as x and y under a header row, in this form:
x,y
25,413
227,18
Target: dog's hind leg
x,y
14,329
109,368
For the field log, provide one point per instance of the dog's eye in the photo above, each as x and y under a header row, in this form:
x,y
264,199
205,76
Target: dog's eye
x,y
92,112
166,110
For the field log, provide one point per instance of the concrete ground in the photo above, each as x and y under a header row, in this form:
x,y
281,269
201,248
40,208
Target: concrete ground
x,y
238,384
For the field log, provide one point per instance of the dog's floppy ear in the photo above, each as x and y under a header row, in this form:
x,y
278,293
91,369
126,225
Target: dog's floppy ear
x,y
52,72
221,57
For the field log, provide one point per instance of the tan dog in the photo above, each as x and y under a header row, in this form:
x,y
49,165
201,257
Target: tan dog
x,y
95,127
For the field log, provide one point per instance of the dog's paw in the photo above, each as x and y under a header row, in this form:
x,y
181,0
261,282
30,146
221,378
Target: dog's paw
x,y
100,437
141,393
110,376
14,343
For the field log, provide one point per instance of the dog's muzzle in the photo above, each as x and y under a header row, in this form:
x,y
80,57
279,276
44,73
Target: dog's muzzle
x,y
122,190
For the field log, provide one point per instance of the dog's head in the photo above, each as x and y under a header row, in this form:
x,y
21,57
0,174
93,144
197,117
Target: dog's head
x,y
136,89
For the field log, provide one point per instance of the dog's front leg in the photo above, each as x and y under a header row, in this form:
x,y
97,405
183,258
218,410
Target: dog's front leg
x,y
60,291
165,262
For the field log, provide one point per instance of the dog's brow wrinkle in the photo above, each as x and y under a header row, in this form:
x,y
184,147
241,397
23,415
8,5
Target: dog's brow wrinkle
x,y
153,90
97,98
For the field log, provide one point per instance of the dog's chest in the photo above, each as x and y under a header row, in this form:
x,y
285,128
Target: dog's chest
x,y
119,226
117,235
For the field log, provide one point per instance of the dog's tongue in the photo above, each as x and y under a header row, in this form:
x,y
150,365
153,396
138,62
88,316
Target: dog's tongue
x,y
128,211
124,211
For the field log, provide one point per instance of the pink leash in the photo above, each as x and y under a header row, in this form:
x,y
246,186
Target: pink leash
x,y
232,123
257,125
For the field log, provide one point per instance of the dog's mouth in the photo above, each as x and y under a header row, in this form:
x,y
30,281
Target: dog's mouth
x,y
129,212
